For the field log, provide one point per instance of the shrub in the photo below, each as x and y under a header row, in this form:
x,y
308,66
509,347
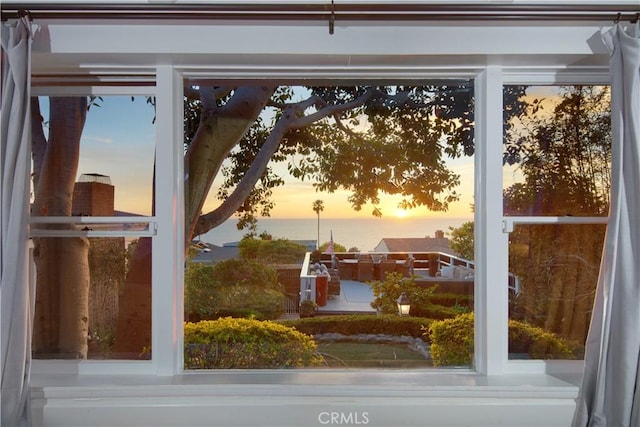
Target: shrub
x,y
355,324
452,341
232,287
229,343
536,342
278,251
337,247
200,294
425,301
308,308
387,292
459,301
440,312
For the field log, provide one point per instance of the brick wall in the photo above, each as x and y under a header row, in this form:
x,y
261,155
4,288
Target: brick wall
x,y
93,199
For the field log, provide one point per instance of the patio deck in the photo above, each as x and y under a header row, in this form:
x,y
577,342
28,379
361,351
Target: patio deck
x,y
355,297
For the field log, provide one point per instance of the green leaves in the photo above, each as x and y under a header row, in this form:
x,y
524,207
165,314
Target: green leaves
x,y
564,155
369,140
452,341
462,240
386,294
272,251
229,343
236,286
372,140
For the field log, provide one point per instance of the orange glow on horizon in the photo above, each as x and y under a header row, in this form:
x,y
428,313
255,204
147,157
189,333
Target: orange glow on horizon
x,y
296,202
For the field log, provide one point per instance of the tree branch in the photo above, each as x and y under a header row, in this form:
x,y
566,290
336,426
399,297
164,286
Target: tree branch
x,y
218,92
218,132
344,127
208,98
289,120
243,189
334,109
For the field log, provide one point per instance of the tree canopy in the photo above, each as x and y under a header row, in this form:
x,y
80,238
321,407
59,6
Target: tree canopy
x,y
462,240
564,156
369,140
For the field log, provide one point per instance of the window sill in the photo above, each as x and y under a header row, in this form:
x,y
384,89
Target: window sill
x,y
303,397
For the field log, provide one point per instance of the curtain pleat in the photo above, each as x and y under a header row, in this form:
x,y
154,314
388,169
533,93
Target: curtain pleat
x,y
610,391
15,290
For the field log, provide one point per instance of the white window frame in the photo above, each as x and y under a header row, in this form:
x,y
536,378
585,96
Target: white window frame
x,y
490,74
159,229
491,296
508,222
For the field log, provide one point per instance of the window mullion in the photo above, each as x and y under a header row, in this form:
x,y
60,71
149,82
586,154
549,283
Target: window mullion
x,y
167,313
491,252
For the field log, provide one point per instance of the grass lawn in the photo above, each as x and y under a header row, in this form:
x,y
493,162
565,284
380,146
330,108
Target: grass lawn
x,y
371,355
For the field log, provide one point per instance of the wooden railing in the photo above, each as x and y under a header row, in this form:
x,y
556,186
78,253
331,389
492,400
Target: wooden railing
x,y
432,261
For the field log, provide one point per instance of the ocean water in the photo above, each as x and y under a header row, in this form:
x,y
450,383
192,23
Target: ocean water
x,y
365,234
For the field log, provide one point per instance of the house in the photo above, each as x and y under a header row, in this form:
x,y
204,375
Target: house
x,y
414,244
208,253
155,48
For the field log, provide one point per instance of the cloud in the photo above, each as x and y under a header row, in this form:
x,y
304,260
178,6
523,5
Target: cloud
x,y
97,139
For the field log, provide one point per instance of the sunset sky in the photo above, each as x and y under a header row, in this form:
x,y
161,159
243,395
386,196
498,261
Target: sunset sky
x,y
118,141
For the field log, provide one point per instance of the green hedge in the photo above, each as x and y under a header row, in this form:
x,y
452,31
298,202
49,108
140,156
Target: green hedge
x,y
452,341
459,301
231,343
361,324
233,287
537,343
439,312
278,251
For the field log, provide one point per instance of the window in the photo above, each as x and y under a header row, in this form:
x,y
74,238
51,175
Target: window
x,y
392,53
396,149
556,198
92,225
112,238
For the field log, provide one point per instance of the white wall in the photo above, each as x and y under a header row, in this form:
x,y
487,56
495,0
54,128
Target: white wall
x,y
392,399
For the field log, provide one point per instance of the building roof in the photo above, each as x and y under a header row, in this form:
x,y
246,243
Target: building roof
x,y
413,244
210,254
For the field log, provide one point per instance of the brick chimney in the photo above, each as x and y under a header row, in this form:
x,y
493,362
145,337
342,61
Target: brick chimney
x,y
93,195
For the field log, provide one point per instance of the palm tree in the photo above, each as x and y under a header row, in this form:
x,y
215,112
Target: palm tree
x,y
318,206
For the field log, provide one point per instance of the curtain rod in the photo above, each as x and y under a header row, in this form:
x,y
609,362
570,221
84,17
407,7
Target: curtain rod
x,y
329,11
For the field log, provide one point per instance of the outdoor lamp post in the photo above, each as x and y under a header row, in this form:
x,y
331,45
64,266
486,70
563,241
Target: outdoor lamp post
x,y
404,305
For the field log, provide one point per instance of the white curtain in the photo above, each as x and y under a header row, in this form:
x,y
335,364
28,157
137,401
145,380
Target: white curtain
x,y
610,392
16,292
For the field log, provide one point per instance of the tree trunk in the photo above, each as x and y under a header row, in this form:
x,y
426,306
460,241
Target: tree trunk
x,y
62,298
220,130
62,288
133,329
